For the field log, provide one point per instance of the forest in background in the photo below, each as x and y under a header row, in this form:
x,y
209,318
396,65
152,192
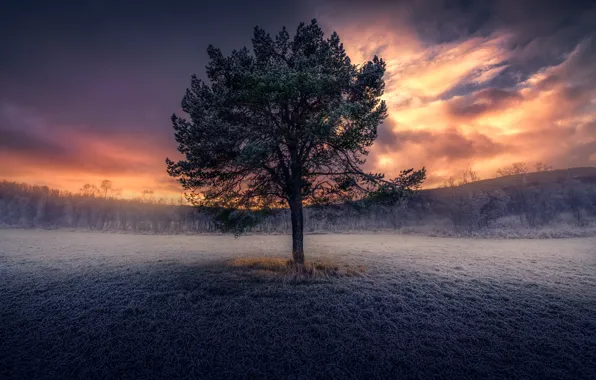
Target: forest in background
x,y
465,205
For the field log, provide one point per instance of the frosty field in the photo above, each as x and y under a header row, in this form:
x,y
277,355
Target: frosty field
x,y
98,305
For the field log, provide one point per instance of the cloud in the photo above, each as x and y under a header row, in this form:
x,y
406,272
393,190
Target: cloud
x,y
482,102
69,156
509,87
468,83
22,142
441,68
442,151
451,144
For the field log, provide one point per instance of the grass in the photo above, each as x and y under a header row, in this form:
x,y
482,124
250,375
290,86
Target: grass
x,y
77,305
286,270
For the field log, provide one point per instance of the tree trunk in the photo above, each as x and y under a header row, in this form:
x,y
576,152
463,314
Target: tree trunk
x,y
297,228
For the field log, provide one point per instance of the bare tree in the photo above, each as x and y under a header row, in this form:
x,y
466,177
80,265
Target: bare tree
x,y
516,168
469,176
450,182
89,190
107,189
466,176
543,167
147,196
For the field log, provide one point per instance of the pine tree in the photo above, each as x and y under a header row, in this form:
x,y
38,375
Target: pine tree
x,y
286,125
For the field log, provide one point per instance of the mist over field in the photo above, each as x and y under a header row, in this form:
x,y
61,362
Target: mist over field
x,y
517,204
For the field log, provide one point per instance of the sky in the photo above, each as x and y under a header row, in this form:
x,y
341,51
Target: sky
x,y
87,87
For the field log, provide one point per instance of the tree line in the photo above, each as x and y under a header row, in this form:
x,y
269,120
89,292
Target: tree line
x,y
463,209
534,203
94,208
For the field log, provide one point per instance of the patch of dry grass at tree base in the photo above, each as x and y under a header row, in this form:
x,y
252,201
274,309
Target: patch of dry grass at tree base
x,y
287,270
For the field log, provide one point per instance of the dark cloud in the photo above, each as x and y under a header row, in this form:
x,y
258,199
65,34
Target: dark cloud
x,y
449,144
435,21
438,21
589,128
452,145
386,137
483,101
531,19
577,155
575,79
22,131
27,141
26,151
23,142
542,32
113,65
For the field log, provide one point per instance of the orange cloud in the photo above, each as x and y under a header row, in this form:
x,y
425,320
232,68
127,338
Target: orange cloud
x,y
431,123
68,157
452,105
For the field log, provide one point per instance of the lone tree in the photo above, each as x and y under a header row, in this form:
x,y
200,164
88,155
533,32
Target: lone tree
x,y
287,125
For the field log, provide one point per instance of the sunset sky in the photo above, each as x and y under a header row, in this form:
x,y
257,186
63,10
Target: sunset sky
x,y
87,88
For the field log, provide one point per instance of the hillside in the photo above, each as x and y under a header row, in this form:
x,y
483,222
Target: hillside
x,y
585,175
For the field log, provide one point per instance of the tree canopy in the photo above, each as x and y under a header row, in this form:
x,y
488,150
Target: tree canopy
x,y
287,124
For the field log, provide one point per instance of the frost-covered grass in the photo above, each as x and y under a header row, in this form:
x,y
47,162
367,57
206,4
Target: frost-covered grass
x,y
93,305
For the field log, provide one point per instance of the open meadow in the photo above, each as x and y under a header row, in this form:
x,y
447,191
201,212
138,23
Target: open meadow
x,y
100,305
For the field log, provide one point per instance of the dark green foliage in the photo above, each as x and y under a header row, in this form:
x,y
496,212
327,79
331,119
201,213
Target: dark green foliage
x,y
237,221
400,189
287,124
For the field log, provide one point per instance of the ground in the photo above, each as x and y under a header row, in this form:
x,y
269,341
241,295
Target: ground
x,y
98,305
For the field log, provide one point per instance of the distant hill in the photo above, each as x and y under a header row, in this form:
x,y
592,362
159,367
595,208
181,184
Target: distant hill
x,y
585,175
